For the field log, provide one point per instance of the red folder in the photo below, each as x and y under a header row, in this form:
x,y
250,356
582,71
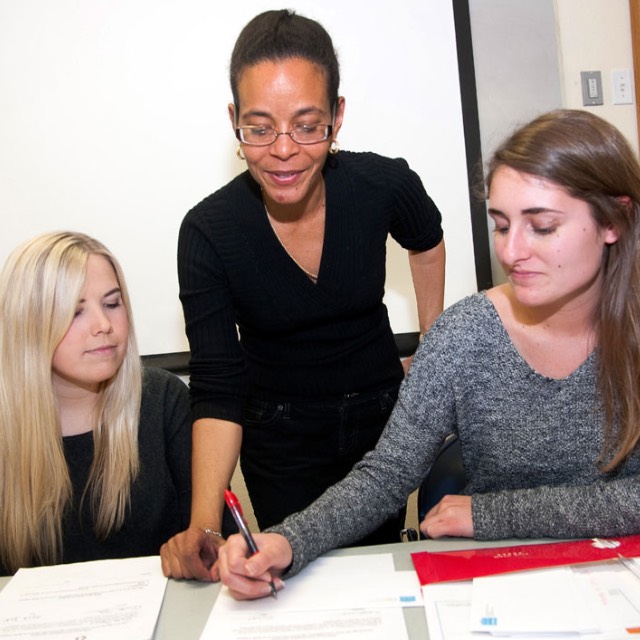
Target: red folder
x,y
446,566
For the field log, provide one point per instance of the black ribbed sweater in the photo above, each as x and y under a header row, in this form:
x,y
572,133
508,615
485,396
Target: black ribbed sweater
x,y
297,339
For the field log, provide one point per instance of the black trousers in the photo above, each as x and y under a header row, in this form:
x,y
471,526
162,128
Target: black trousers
x,y
293,451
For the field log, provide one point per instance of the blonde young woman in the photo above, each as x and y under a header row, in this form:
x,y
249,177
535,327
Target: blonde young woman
x,y
94,451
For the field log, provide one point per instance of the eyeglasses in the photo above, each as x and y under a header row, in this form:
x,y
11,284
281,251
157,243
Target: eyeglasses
x,y
260,136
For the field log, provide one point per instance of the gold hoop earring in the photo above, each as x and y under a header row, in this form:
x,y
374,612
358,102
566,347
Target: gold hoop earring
x,y
239,153
334,147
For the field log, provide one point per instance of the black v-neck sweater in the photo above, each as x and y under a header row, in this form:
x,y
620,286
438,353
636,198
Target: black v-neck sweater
x,y
256,323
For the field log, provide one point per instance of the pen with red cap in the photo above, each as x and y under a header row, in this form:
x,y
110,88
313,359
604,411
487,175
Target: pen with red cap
x,y
234,505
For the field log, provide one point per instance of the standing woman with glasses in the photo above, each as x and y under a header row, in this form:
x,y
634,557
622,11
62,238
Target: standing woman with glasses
x,y
282,275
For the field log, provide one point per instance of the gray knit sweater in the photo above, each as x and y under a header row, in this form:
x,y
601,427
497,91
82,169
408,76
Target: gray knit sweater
x,y
530,446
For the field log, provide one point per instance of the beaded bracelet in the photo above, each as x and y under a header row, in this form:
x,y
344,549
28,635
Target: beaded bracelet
x,y
211,532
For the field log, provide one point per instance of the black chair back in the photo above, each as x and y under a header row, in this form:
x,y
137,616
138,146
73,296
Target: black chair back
x,y
446,476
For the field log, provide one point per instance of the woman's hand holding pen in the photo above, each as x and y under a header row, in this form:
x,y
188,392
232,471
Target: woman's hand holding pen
x,y
248,577
450,517
192,555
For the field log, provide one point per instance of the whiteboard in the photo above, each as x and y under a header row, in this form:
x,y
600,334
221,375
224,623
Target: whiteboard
x,y
113,122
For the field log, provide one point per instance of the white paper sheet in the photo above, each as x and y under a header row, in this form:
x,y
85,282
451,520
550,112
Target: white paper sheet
x,y
542,601
617,593
360,624
98,600
447,609
612,590
334,597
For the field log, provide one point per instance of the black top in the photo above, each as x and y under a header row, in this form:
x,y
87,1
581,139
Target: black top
x,y
161,494
297,339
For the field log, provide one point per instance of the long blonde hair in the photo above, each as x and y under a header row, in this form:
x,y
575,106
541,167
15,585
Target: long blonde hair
x,y
593,161
40,286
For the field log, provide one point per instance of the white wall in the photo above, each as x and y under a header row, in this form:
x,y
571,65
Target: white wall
x,y
113,122
595,35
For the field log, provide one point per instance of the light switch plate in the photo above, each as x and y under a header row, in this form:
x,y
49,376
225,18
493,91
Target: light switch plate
x,y
591,88
622,86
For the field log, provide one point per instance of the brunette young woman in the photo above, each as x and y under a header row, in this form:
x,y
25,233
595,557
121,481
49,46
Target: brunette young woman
x,y
538,377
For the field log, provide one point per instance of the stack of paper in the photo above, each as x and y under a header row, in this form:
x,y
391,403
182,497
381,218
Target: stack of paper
x,y
592,600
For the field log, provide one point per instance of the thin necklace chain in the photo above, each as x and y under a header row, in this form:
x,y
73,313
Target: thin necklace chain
x,y
312,276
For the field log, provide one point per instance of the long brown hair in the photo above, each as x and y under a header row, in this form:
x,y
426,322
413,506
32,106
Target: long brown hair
x,y
593,162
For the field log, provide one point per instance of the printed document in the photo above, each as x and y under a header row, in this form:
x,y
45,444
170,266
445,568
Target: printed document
x,y
337,597
98,600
